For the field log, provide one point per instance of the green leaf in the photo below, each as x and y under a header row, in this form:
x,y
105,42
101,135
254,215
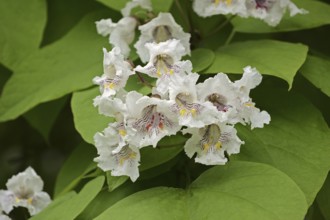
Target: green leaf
x,y
44,115
296,141
323,198
316,70
115,181
61,18
114,4
239,190
319,15
201,58
21,29
58,69
161,6
86,118
270,57
157,6
75,168
71,208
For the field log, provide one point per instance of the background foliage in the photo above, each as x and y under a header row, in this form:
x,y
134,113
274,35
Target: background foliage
x,y
49,53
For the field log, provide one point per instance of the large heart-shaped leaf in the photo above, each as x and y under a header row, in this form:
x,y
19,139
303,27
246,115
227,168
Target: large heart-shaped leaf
x,y
239,190
21,29
270,57
318,15
56,70
296,141
317,71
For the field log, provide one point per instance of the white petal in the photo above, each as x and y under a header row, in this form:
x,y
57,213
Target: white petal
x,y
104,27
126,11
40,201
25,182
208,8
7,200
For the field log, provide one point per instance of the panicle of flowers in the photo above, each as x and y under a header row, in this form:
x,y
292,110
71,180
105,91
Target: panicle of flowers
x,y
270,11
207,111
24,190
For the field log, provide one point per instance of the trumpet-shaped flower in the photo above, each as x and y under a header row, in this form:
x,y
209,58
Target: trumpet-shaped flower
x,y
121,34
115,72
164,63
160,29
145,4
211,142
272,11
219,90
24,190
206,8
185,105
148,120
114,155
247,112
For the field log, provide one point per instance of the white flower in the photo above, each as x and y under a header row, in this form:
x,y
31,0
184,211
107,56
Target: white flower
x,y
211,142
220,91
148,120
160,29
121,34
165,64
116,72
120,159
24,190
145,4
2,216
272,11
206,8
185,105
104,27
247,112
111,106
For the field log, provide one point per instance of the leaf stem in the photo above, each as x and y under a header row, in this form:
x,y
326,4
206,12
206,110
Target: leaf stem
x,y
143,81
222,25
184,15
230,37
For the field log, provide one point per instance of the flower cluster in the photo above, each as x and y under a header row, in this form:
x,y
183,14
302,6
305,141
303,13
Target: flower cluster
x,y
271,11
207,110
24,190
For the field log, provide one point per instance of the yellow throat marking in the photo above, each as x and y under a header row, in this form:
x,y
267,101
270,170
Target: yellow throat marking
x,y
228,2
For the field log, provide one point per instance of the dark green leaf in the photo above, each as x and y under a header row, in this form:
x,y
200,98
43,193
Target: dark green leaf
x,y
317,71
71,208
201,58
73,170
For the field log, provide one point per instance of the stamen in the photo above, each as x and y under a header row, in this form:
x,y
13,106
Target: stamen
x,y
211,140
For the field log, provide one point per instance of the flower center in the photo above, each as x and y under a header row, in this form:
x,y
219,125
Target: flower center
x,y
227,2
162,33
126,154
218,101
111,83
151,122
211,140
163,64
185,106
264,4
